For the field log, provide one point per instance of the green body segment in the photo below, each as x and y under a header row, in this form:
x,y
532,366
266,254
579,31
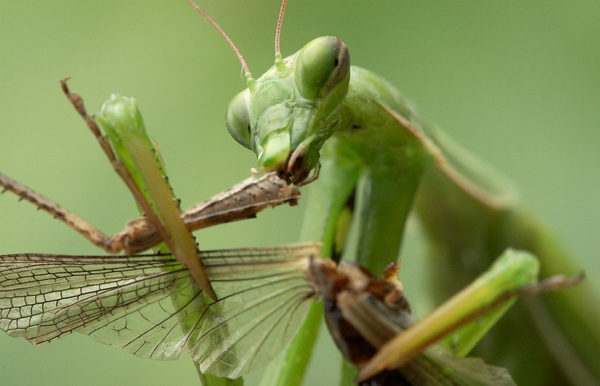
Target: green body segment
x,y
122,122
374,151
370,168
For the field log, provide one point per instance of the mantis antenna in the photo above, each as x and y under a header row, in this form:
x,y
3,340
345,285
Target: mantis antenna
x,y
278,29
226,37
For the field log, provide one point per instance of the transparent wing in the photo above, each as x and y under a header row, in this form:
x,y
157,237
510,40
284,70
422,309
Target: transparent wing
x,y
43,297
440,366
150,306
275,300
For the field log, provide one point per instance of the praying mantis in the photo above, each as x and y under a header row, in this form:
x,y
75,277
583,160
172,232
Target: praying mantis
x,y
219,124
313,116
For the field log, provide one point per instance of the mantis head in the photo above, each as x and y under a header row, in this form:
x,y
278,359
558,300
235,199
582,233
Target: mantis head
x,y
287,114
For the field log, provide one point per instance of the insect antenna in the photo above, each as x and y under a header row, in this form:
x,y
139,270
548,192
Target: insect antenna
x,y
278,29
279,64
225,36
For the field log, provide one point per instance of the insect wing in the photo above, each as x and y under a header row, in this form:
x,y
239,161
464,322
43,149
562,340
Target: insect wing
x,y
450,369
264,307
43,297
150,305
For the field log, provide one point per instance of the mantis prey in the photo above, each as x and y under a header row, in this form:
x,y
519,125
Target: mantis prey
x,y
123,301
148,304
313,116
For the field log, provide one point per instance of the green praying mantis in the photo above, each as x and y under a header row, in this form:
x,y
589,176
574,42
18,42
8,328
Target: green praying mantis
x,y
313,116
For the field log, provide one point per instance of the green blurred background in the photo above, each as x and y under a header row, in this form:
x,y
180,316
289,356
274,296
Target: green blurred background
x,y
516,82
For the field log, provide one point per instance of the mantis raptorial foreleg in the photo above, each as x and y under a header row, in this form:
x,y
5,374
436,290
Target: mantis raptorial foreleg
x,y
135,159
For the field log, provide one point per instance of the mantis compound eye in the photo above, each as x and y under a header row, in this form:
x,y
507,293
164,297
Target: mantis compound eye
x,y
237,119
322,66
